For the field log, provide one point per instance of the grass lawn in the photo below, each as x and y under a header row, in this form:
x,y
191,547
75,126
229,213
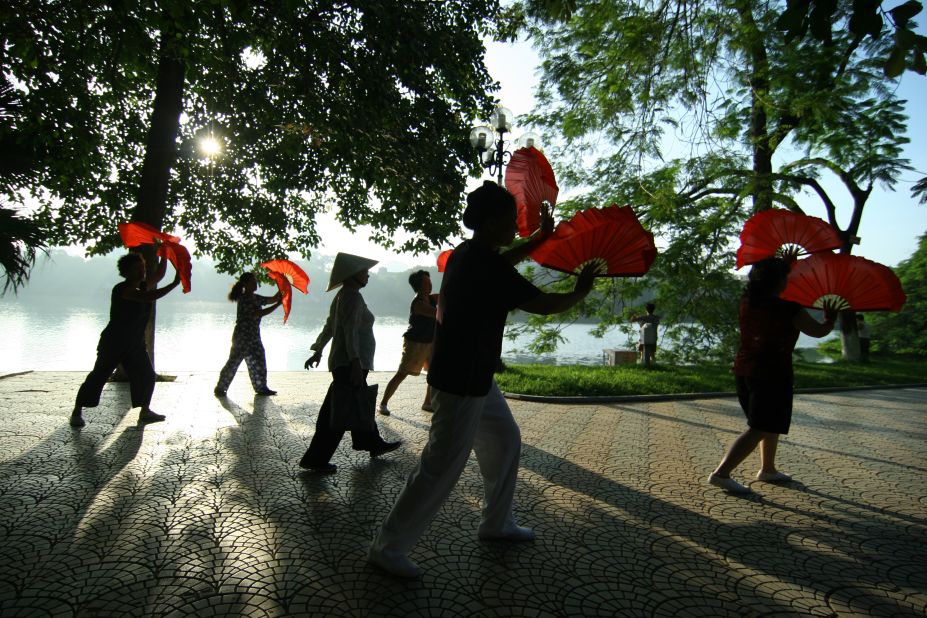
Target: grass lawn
x,y
582,380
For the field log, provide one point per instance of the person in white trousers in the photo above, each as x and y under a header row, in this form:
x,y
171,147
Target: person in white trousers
x,y
479,288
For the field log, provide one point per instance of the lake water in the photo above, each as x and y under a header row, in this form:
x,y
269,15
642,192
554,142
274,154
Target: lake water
x,y
195,336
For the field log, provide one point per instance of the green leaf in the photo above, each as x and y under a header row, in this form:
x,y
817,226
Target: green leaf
x,y
919,66
894,66
902,13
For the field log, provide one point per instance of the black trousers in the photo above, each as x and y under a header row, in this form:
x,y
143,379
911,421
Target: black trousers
x,y
326,440
134,359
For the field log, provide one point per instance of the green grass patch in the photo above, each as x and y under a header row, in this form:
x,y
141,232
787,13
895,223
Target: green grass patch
x,y
583,380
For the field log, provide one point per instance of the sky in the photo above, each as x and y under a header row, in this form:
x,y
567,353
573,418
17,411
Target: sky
x,y
891,224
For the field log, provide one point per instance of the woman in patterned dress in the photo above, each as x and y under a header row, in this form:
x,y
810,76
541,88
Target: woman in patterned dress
x,y
246,339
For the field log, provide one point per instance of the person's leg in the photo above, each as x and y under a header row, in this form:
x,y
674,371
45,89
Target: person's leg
x,y
498,448
426,405
236,355
768,449
141,375
450,439
390,390
88,395
256,362
745,444
325,440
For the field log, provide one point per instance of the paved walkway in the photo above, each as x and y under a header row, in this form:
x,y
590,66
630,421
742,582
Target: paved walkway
x,y
207,514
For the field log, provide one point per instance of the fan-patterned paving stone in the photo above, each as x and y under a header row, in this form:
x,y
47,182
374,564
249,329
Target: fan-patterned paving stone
x,y
208,513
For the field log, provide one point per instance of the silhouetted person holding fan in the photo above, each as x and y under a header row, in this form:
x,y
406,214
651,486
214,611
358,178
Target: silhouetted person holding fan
x,y
769,328
350,329
480,287
122,342
246,338
417,340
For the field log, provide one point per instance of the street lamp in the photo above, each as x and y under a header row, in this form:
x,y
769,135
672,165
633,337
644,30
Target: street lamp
x,y
493,155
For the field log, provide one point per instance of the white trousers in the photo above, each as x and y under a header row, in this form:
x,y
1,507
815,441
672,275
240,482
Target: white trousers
x,y
459,424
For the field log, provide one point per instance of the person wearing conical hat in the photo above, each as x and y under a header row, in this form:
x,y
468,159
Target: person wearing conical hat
x,y
350,329
480,287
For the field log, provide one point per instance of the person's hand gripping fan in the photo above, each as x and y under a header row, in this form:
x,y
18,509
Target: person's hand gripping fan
x,y
287,275
136,233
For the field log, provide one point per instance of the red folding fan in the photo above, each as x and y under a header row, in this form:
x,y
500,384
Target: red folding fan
x,y
443,257
287,275
178,255
530,179
852,282
782,232
610,238
135,233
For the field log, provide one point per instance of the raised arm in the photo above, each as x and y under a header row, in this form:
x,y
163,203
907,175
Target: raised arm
x,y
158,274
519,252
811,327
148,296
548,303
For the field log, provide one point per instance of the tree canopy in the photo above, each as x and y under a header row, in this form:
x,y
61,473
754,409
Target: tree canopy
x,y
361,107
906,332
690,112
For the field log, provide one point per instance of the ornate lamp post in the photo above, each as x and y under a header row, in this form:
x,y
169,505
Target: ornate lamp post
x,y
493,155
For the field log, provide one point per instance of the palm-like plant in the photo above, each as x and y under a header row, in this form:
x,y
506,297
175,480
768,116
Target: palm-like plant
x,y
20,238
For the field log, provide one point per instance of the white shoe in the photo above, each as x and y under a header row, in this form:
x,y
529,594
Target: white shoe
x,y
773,477
515,533
394,563
728,484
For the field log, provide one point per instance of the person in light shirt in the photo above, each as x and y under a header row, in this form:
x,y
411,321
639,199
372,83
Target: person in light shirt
x,y
349,328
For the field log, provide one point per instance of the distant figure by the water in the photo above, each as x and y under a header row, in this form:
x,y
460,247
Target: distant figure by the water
x,y
862,331
350,329
769,328
417,340
479,288
122,342
246,338
647,341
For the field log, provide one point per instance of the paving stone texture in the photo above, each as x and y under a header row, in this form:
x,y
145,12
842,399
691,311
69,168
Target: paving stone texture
x,y
207,514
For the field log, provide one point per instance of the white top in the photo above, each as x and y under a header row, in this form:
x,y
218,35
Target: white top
x,y
350,328
648,334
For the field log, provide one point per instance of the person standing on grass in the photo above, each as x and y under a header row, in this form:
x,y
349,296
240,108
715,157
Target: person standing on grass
x,y
862,331
769,328
122,342
647,342
417,340
246,338
480,287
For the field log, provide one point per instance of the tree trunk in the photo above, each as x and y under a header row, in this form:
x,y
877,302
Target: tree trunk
x,y
160,154
849,337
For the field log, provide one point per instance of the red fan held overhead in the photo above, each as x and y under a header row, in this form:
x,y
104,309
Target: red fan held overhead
x,y
287,275
443,258
610,238
849,281
530,179
135,233
785,233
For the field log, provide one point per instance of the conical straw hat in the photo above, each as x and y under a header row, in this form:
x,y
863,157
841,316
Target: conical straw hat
x,y
346,266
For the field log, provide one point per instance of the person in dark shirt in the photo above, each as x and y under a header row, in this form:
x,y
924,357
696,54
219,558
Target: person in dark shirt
x,y
122,342
417,340
246,338
769,328
479,288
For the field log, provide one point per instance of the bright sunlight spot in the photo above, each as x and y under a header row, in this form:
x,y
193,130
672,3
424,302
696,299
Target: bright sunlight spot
x,y
210,147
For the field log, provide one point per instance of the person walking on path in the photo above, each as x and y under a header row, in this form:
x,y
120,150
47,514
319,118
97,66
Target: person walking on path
x,y
350,329
647,341
862,331
769,328
246,338
480,287
417,340
122,342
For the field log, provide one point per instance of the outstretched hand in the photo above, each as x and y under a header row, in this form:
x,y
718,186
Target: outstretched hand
x,y
547,219
313,361
585,279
